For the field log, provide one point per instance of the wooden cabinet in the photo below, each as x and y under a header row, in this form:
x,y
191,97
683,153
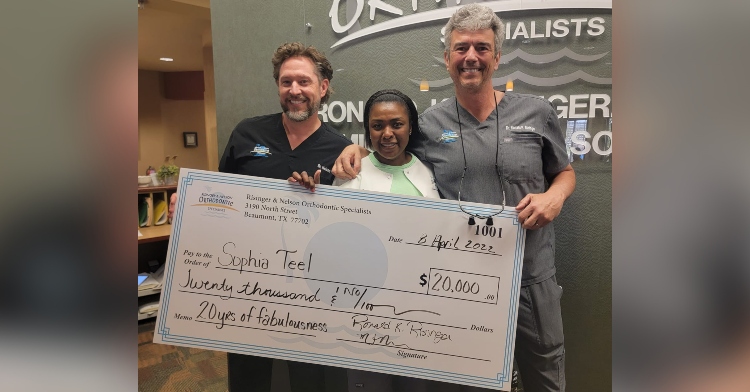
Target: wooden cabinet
x,y
153,239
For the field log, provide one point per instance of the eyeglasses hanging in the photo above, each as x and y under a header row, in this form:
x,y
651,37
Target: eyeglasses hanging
x,y
487,218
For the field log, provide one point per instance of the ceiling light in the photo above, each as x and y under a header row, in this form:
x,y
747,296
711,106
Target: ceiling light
x,y
166,59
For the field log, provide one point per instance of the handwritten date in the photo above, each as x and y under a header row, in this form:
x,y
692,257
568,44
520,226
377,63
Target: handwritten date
x,y
450,243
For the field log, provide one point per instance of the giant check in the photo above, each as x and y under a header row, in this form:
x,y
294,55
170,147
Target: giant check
x,y
362,280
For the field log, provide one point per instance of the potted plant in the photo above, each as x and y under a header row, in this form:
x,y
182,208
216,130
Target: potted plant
x,y
168,172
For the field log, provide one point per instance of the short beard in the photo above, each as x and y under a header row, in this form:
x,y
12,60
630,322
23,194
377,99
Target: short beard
x,y
298,116
302,115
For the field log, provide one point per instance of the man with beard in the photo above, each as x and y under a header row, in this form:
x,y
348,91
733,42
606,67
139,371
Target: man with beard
x,y
496,147
274,146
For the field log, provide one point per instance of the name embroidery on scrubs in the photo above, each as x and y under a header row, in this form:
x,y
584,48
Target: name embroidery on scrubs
x,y
261,151
325,169
520,128
448,136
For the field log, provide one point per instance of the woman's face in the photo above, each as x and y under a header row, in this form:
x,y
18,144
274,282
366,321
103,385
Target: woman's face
x,y
389,132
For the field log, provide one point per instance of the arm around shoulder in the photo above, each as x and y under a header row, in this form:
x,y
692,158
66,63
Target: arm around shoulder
x,y
348,164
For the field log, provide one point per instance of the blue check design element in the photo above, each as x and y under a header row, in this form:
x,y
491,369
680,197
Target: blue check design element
x,y
261,151
448,136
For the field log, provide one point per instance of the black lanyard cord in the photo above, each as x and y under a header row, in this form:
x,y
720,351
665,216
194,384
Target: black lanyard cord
x,y
497,169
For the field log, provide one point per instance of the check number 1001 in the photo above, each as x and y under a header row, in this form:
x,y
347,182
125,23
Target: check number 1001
x,y
489,231
463,285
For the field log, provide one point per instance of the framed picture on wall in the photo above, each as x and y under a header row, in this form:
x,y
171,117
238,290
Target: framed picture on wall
x,y
190,139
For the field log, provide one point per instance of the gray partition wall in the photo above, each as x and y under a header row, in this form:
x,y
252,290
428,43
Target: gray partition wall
x,y
563,54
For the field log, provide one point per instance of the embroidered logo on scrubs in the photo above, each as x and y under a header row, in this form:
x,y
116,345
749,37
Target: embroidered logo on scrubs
x,y
448,136
260,151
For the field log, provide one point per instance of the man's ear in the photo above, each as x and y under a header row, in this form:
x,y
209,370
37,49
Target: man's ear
x,y
446,58
497,60
324,87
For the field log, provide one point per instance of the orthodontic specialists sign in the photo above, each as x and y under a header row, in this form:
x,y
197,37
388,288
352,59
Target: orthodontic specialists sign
x,y
559,50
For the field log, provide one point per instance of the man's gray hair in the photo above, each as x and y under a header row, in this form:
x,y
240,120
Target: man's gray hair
x,y
473,17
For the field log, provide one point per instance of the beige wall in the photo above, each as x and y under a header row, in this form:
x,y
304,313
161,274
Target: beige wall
x,y
161,123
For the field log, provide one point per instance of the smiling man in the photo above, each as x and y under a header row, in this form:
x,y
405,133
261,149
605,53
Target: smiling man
x,y
502,148
275,146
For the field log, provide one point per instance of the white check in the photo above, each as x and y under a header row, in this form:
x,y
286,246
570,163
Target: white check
x,y
362,280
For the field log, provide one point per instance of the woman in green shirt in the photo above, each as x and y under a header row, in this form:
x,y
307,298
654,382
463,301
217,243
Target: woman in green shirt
x,y
390,118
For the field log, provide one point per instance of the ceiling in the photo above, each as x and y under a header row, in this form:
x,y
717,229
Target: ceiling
x,y
176,29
